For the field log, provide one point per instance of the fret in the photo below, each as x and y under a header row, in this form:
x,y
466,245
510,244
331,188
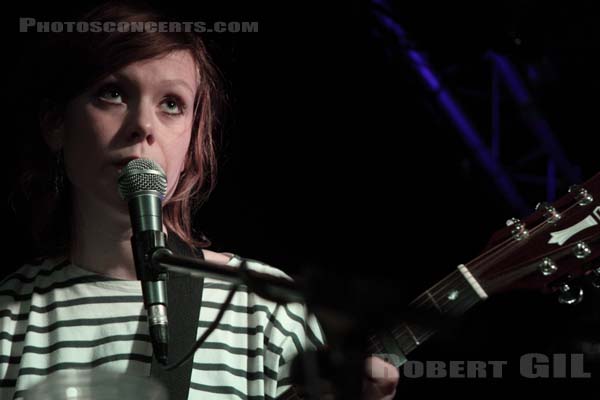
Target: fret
x,y
450,298
404,337
374,345
433,301
412,334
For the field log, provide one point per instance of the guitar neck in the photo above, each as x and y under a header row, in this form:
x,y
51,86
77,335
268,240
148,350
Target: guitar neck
x,y
448,299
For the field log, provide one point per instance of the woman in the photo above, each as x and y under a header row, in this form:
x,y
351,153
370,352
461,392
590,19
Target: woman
x,y
111,97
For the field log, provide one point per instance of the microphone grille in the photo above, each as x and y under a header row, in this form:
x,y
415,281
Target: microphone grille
x,y
140,175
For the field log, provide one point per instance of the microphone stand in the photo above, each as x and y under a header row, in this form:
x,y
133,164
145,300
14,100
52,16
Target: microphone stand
x,y
276,289
272,288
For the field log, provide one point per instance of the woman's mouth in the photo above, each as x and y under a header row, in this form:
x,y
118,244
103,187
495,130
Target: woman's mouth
x,y
121,164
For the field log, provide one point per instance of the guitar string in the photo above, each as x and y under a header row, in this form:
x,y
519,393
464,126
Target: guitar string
x,y
451,282
417,338
517,270
441,287
463,306
443,309
473,265
445,283
448,281
521,269
510,240
499,250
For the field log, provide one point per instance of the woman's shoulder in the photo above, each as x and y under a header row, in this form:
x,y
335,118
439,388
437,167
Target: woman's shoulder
x,y
33,271
290,317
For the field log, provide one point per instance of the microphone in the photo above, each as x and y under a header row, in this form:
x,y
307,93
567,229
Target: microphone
x,y
143,184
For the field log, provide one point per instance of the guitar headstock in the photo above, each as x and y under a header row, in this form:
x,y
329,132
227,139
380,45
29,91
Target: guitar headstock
x,y
556,245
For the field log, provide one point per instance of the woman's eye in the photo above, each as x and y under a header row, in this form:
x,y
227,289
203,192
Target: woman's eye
x,y
111,95
172,106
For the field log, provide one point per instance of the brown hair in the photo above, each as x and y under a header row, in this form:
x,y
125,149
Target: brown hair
x,y
74,61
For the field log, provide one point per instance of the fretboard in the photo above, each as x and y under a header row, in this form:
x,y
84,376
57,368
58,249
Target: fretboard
x,y
449,298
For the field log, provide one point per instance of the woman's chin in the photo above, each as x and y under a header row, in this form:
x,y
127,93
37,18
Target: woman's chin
x,y
119,208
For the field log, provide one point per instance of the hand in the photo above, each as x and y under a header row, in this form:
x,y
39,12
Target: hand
x,y
380,381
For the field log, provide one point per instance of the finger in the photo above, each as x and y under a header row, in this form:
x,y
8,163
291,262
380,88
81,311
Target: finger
x,y
377,369
382,379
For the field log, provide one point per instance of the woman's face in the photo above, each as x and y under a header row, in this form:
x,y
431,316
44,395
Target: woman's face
x,y
143,110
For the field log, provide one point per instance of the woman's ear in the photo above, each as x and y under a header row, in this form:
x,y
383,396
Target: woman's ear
x,y
52,126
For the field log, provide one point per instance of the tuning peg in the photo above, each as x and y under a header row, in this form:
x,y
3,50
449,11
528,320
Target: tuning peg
x,y
547,267
570,294
582,196
581,250
518,232
552,216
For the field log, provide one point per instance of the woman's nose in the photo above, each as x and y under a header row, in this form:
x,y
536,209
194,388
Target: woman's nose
x,y
141,123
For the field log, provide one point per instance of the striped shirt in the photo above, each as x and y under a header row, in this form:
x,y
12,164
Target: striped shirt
x,y
55,316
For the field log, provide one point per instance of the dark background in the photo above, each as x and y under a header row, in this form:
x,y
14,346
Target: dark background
x,y
335,157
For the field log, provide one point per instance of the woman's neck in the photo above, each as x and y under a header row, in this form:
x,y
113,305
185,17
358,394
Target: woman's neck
x,y
101,240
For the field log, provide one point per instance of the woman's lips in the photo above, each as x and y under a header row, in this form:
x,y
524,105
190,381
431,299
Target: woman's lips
x,y
121,164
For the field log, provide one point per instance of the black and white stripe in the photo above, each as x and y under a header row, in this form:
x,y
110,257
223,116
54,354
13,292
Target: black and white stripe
x,y
55,316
